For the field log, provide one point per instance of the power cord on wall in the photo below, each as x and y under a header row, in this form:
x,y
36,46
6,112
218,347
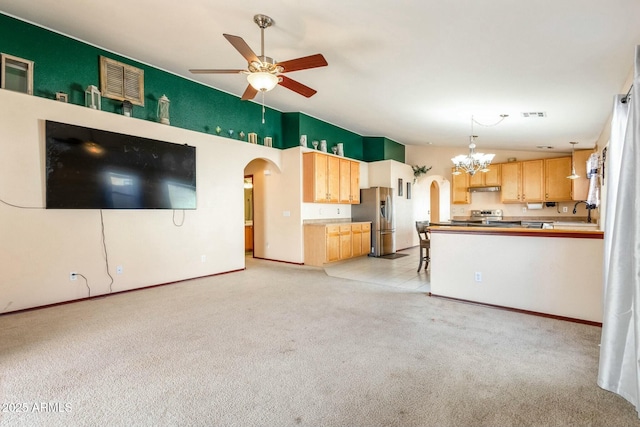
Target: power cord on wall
x,y
106,254
21,207
86,282
183,217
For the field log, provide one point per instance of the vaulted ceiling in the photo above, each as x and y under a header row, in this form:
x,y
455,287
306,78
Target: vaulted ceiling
x,y
413,71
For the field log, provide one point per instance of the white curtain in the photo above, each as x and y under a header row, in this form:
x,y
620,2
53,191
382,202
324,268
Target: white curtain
x,y
619,369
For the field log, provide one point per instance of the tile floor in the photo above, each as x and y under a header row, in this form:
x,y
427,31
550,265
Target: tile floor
x,y
399,273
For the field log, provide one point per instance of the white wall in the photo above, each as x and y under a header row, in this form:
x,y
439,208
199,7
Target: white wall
x,y
39,247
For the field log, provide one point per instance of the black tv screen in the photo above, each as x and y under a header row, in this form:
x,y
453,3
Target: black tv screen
x,y
95,169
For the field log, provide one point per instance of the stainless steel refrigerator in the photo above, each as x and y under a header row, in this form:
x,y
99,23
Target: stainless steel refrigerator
x,y
376,205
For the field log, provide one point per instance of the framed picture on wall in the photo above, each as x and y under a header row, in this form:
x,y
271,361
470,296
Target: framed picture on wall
x,y
408,190
400,187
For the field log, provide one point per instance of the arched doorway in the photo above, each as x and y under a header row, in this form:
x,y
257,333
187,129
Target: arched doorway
x,y
434,205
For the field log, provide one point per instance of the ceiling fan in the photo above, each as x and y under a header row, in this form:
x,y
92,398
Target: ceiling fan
x,y
264,73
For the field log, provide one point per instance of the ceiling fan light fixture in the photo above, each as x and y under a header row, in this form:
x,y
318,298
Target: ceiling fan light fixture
x,y
263,81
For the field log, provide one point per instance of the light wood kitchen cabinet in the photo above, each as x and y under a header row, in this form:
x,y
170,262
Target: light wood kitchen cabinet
x,y
522,182
366,238
356,239
321,178
580,186
325,243
248,238
346,248
486,179
361,238
332,236
330,179
557,187
511,186
349,181
533,181
460,188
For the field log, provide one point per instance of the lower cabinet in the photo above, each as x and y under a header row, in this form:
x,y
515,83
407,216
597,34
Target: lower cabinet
x,y
325,243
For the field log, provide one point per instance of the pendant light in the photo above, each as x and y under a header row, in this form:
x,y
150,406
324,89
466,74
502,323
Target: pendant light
x,y
573,166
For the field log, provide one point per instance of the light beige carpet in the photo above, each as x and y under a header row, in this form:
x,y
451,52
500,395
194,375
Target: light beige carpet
x,y
280,345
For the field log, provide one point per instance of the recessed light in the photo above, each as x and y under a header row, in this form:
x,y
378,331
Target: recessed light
x,y
544,147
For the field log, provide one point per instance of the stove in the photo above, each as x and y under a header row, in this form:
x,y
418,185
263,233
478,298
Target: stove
x,y
486,215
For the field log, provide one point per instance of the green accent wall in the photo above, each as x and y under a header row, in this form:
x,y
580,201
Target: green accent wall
x,y
296,124
380,148
63,64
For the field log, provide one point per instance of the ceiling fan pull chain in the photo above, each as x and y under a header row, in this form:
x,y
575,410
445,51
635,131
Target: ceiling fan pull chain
x,y
262,107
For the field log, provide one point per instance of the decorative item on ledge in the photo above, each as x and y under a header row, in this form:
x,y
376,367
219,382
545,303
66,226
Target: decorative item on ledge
x,y
418,171
62,97
92,97
268,141
253,137
315,145
241,135
218,130
127,108
230,132
323,145
340,149
303,140
163,110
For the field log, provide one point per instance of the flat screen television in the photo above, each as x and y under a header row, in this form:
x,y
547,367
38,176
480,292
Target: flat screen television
x,y
96,169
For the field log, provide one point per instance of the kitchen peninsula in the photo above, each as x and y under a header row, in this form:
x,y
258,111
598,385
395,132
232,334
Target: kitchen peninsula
x,y
552,272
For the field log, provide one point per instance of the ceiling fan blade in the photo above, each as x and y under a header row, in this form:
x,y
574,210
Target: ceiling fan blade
x,y
312,61
249,93
210,71
242,47
296,86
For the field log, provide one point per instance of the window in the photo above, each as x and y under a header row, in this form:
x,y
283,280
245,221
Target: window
x,y
121,81
16,74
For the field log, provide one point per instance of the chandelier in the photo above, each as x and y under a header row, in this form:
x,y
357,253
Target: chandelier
x,y
473,162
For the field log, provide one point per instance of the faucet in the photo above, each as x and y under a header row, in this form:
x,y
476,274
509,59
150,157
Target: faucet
x,y
589,207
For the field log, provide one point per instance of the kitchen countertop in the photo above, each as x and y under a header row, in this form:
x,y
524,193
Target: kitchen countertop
x,y
518,231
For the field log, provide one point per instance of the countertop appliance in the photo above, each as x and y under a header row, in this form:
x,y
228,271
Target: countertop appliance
x,y
376,205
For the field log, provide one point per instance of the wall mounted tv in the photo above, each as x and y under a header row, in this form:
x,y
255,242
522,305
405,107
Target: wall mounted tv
x,y
96,169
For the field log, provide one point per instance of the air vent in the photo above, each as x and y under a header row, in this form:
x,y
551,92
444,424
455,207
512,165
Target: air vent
x,y
545,147
534,114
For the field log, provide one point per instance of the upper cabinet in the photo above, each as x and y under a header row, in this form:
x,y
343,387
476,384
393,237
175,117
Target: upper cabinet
x,y
460,188
330,179
522,182
557,188
349,181
580,186
486,179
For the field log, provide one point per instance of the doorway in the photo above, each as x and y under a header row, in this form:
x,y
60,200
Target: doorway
x,y
434,208
248,214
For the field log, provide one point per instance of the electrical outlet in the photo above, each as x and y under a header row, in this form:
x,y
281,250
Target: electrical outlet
x,y
119,269
478,276
564,209
524,210
73,276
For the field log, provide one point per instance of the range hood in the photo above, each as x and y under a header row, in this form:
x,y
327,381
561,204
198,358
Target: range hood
x,y
489,189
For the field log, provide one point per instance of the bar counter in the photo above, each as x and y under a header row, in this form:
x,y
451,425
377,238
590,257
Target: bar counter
x,y
557,273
